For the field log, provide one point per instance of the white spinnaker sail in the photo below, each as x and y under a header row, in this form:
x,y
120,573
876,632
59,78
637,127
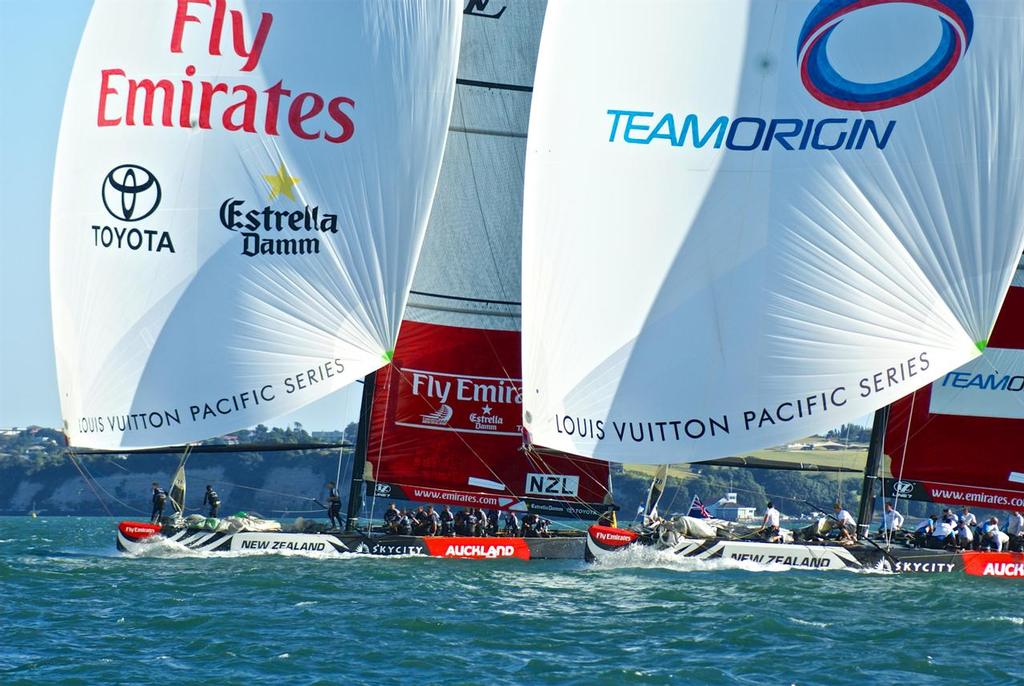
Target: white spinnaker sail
x,y
240,195
473,247
747,221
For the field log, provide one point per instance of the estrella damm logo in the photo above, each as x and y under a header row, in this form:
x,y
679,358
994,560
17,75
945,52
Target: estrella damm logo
x,y
827,85
130,192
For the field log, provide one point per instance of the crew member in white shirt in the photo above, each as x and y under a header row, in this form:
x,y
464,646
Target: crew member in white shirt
x,y
967,517
964,536
770,525
845,522
1015,530
892,521
942,536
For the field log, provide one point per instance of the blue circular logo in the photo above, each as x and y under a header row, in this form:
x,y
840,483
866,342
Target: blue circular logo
x,y
825,83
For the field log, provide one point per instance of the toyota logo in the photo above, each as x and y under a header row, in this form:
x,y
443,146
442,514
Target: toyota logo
x,y
383,490
130,192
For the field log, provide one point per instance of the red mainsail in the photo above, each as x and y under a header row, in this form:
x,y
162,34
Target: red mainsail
x,y
961,440
446,427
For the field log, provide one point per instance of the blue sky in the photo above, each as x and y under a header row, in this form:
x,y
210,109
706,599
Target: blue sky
x,y
38,42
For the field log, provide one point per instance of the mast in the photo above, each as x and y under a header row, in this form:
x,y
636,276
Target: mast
x,y
874,462
355,494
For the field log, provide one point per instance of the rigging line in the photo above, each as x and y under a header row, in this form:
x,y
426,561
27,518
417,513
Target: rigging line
x,y
108,493
71,456
380,445
266,490
462,310
488,132
903,462
495,85
402,377
464,298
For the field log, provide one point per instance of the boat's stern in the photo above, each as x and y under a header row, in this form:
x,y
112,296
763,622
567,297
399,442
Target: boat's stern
x,y
131,534
606,540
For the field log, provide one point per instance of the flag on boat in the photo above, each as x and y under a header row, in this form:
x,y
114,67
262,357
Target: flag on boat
x,y
697,509
239,199
177,491
959,440
748,221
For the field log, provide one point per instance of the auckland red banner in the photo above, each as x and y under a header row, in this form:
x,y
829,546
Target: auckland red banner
x,y
960,440
446,427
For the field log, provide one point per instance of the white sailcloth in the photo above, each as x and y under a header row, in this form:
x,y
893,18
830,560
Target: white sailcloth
x,y
747,221
470,268
240,195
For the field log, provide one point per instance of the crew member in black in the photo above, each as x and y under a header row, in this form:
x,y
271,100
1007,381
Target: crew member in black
x,y
212,499
159,498
435,521
333,505
530,523
405,524
447,522
511,523
391,517
421,521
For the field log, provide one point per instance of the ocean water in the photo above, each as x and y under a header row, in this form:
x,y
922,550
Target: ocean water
x,y
75,611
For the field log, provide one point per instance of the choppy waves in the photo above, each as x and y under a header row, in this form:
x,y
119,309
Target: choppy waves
x,y
76,611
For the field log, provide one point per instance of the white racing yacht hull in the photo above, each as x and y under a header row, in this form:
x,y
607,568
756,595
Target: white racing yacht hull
x,y
605,542
138,537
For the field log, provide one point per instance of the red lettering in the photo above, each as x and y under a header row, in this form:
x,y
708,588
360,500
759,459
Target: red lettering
x,y
296,116
149,89
180,17
247,107
218,25
253,56
185,111
348,127
105,90
206,101
273,103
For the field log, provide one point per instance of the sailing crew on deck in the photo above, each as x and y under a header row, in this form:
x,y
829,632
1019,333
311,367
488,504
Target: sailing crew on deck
x,y
967,517
333,505
964,536
943,533
924,530
1015,530
530,524
391,517
990,538
844,522
770,525
447,522
892,521
405,524
435,521
212,499
511,523
159,498
420,522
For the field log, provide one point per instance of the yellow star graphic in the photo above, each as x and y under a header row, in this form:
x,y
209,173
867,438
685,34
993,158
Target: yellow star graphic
x,y
281,183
